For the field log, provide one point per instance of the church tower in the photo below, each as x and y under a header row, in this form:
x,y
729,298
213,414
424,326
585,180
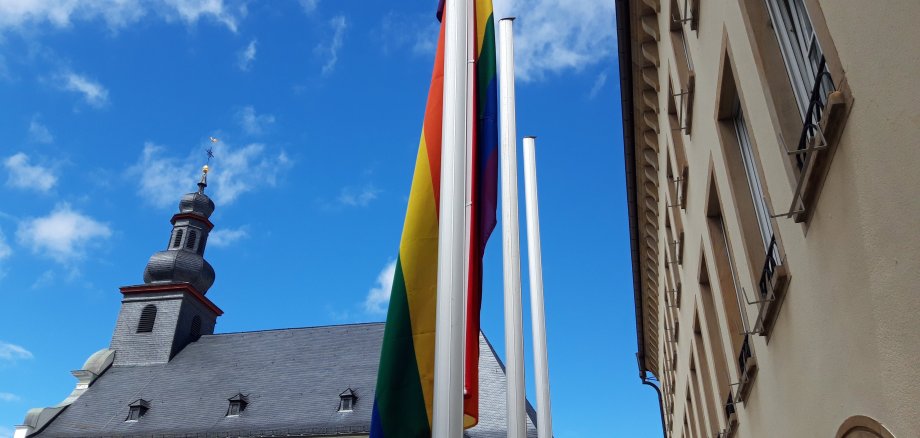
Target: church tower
x,y
170,310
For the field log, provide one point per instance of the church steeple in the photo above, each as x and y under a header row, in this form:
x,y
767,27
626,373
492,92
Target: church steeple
x,y
183,259
163,315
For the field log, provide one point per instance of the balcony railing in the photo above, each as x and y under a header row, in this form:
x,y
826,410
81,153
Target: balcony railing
x,y
747,367
771,285
812,139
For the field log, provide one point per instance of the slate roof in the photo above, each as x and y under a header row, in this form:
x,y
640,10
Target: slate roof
x,y
292,379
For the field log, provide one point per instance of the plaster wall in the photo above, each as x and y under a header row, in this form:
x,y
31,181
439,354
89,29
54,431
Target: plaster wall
x,y
844,340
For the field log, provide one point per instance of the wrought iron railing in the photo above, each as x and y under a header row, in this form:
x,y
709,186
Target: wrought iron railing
x,y
729,407
744,356
769,271
823,87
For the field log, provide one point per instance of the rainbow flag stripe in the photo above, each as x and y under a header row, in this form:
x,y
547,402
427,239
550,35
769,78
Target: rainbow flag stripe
x,y
405,379
485,191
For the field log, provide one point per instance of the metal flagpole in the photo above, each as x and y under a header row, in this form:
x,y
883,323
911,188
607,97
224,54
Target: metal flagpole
x,y
511,245
537,311
447,418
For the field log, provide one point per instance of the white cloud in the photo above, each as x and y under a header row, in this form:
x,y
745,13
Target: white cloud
x,y
378,298
63,234
358,198
191,11
237,171
234,171
8,397
6,432
117,14
598,85
23,175
309,5
553,36
246,56
162,180
13,352
253,123
330,51
39,133
93,92
224,237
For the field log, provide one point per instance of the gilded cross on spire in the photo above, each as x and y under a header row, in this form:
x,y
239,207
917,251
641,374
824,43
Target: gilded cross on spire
x,y
204,170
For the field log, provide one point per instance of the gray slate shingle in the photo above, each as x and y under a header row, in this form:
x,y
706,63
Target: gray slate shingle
x,y
292,379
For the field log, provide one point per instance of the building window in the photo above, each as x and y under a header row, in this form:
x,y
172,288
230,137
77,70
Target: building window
x,y
177,240
761,210
799,46
238,404
347,400
192,236
137,409
147,319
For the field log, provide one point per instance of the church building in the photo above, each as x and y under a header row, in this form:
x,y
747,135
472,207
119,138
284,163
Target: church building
x,y
167,374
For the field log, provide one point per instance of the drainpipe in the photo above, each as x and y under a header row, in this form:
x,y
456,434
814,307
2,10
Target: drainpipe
x,y
645,381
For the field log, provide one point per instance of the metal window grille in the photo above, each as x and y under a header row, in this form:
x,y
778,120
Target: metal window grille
x,y
177,240
192,236
147,319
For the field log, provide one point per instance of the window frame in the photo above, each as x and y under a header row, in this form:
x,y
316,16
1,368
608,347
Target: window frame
x,y
801,54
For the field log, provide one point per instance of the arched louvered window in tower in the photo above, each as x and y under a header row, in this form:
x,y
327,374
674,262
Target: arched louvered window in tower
x,y
148,317
190,242
178,239
195,332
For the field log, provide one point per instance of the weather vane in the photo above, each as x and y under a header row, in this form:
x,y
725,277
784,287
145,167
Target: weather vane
x,y
204,170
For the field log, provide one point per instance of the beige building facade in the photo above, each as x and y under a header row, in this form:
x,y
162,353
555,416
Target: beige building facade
x,y
772,159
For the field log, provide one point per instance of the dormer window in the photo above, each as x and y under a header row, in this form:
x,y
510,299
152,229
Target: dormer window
x,y
237,405
137,409
347,400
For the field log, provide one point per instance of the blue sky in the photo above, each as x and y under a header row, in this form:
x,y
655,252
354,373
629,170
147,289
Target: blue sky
x,y
107,109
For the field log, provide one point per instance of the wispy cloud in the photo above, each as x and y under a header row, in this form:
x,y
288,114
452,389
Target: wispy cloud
x,y
5,252
309,5
93,92
63,235
190,11
246,56
598,85
330,50
44,280
162,179
39,133
224,237
396,33
23,175
253,123
12,352
351,197
553,36
378,298
8,397
6,432
116,14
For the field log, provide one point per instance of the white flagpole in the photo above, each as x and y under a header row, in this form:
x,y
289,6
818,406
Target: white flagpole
x,y
511,245
447,418
537,310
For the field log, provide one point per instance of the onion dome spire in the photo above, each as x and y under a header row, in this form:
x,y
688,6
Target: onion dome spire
x,y
183,259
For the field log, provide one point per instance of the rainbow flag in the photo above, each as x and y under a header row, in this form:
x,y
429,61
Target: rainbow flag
x,y
485,191
405,378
